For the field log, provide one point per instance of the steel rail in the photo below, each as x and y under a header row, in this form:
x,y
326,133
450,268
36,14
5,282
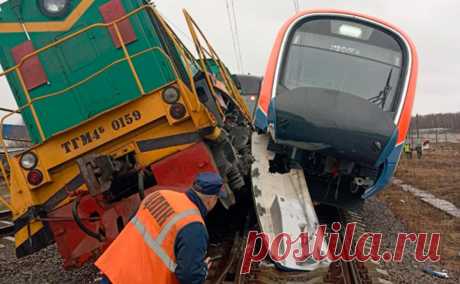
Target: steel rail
x,y
351,271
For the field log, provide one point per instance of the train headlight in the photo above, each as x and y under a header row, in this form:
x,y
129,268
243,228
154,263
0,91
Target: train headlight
x,y
177,111
54,8
171,95
35,177
28,161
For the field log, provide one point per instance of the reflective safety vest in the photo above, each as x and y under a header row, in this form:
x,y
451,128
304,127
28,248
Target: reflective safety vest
x,y
406,148
144,251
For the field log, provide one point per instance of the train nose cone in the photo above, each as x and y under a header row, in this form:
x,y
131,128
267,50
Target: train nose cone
x,y
338,124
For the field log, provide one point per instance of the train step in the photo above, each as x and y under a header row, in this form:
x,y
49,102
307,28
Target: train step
x,y
5,214
6,226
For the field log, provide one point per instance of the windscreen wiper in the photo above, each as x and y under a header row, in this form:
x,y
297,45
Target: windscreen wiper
x,y
381,98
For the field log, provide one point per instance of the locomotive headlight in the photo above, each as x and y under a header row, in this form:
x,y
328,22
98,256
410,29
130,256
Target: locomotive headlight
x,y
177,111
54,8
171,95
35,177
28,161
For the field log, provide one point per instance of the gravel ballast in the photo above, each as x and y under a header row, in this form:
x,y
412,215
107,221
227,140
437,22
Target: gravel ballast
x,y
42,267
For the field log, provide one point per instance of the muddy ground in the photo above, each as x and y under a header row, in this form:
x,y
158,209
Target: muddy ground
x,y
438,172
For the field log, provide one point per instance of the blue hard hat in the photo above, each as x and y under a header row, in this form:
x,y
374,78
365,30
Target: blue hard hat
x,y
209,183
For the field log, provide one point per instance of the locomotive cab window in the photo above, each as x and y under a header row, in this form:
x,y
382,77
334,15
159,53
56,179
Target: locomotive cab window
x,y
344,56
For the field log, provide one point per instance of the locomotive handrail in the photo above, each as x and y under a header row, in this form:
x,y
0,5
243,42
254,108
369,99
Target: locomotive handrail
x,y
64,39
3,200
59,93
229,84
96,25
201,52
72,35
127,57
95,74
184,53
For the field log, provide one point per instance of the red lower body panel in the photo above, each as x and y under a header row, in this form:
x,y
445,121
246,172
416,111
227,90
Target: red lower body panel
x,y
176,172
181,169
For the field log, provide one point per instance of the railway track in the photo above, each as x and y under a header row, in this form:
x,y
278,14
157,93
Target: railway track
x,y
344,271
227,270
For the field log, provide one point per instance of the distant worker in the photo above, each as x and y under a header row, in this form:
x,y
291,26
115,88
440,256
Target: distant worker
x,y
166,242
419,148
408,150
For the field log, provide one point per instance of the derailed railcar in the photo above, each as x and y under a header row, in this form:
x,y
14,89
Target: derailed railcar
x,y
336,99
116,107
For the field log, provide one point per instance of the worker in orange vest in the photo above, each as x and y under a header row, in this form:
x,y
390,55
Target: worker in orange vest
x,y
167,240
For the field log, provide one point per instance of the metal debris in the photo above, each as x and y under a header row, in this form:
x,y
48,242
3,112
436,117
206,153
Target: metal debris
x,y
440,274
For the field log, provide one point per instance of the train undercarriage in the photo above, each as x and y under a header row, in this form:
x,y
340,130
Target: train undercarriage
x,y
331,180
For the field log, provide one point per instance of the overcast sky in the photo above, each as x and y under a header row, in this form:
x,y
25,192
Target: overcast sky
x,y
433,25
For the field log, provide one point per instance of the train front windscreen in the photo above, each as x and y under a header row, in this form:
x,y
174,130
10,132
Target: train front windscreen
x,y
345,56
341,81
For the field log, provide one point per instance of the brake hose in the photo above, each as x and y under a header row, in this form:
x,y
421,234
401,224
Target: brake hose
x,y
80,224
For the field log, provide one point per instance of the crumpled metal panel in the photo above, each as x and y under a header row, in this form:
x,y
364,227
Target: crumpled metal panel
x,y
284,205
